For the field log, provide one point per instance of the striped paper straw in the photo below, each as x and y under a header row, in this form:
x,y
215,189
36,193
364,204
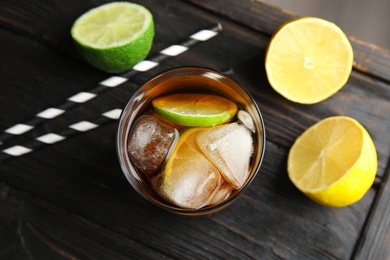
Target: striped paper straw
x,y
52,138
111,82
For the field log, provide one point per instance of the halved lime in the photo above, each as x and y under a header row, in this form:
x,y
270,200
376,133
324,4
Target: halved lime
x,y
195,109
115,36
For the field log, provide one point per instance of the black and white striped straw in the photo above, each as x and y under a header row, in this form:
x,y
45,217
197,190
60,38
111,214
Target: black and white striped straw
x,y
111,82
52,138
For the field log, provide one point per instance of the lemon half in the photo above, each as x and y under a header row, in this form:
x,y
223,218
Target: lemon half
x,y
308,60
333,162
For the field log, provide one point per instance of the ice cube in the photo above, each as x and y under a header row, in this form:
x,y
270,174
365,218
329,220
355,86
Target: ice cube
x,y
149,143
229,147
222,194
189,179
247,120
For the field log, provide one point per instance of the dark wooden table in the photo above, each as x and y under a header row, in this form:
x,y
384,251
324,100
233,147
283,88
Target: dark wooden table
x,y
70,200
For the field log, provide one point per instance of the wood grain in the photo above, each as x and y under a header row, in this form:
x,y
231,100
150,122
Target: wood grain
x,y
374,240
71,200
36,228
266,19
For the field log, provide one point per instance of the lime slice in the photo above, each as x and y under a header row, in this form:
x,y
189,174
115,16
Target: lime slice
x,y
115,36
195,109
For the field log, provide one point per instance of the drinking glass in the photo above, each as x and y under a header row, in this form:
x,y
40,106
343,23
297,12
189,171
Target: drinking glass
x,y
186,80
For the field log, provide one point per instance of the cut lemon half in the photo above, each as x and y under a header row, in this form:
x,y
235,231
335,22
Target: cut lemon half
x,y
195,109
308,60
115,36
333,162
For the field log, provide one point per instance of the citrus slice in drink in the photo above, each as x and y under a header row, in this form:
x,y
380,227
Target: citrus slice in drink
x,y
189,180
115,36
334,162
195,109
308,60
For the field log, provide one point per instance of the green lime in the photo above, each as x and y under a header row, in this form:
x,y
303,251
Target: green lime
x,y
115,36
195,109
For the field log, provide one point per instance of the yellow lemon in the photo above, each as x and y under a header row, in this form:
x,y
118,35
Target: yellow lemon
x,y
308,60
333,162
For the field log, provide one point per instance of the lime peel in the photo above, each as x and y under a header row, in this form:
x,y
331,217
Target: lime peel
x,y
195,109
114,37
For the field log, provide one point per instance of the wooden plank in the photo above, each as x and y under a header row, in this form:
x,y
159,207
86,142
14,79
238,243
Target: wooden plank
x,y
266,18
273,218
374,241
249,62
82,175
356,99
32,228
369,59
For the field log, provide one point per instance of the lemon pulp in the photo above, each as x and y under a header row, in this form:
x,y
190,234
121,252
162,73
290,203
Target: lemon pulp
x,y
308,60
334,162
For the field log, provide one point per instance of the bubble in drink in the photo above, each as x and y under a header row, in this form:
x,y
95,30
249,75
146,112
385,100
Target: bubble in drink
x,y
150,142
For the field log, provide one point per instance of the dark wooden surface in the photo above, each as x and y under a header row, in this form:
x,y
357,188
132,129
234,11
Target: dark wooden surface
x,y
71,201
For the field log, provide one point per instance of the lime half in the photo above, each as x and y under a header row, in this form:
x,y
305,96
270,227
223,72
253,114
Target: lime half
x,y
195,109
115,36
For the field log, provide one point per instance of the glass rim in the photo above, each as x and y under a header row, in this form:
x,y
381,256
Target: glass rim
x,y
125,161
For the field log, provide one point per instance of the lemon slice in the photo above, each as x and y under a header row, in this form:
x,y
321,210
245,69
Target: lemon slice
x,y
308,60
195,109
189,180
334,162
115,36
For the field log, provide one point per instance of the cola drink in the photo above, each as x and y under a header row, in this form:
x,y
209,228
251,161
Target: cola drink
x,y
211,167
